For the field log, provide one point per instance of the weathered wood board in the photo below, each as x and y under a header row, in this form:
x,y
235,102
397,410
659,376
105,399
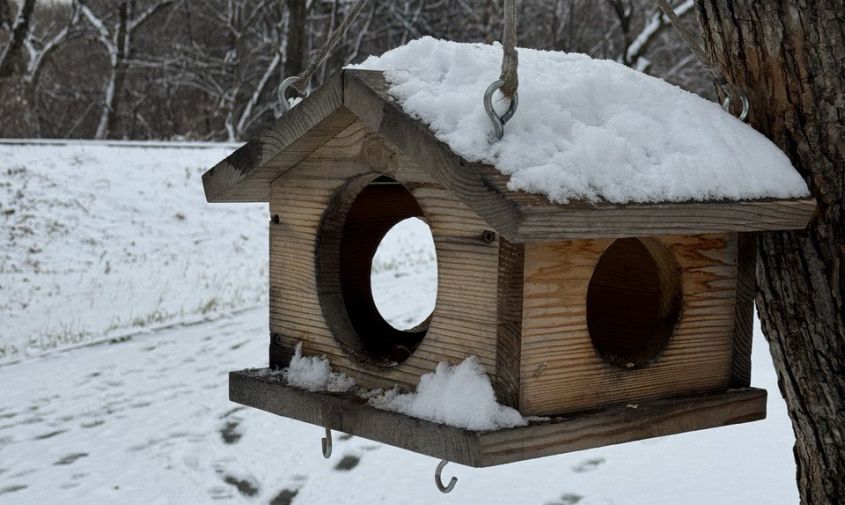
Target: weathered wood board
x,y
465,319
560,368
612,425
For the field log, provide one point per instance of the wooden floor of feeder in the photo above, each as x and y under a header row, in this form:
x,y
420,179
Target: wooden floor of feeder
x,y
350,414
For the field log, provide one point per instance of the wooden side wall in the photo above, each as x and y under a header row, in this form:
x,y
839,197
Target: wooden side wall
x,y
465,318
560,369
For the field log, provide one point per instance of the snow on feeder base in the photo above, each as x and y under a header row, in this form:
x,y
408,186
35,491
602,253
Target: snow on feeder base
x,y
619,319
348,413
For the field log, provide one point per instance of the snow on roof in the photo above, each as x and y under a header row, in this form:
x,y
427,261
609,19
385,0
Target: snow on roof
x,y
586,129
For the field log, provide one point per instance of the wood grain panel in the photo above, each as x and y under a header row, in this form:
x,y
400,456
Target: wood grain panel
x,y
561,370
465,317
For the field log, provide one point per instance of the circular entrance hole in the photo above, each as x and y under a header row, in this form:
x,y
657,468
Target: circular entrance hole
x,y
633,301
377,296
403,276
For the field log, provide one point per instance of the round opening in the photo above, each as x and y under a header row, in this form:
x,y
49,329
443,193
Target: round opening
x,y
403,276
633,301
376,271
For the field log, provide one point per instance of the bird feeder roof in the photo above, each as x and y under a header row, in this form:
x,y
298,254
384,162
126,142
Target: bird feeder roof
x,y
519,215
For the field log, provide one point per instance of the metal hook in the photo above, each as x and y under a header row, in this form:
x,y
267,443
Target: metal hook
x,y
283,87
439,480
746,106
497,120
326,442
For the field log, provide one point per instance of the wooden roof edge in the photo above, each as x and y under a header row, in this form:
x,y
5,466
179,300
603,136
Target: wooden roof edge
x,y
306,127
555,222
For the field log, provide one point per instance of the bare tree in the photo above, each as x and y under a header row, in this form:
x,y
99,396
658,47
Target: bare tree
x,y
117,41
209,69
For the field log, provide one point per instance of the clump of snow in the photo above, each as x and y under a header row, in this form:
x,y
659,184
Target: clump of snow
x,y
314,373
586,129
459,395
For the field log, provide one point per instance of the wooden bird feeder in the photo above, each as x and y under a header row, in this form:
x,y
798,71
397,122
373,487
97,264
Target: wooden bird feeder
x,y
620,322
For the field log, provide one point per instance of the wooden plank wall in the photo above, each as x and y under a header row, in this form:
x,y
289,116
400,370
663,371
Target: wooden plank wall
x,y
561,371
746,291
465,318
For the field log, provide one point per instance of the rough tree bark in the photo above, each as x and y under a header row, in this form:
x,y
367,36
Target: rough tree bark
x,y
789,56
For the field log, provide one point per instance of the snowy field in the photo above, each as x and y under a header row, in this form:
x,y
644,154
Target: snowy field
x,y
109,240
92,244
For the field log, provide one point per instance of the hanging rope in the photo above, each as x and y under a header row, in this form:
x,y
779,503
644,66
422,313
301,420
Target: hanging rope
x,y
510,59
300,81
508,80
692,42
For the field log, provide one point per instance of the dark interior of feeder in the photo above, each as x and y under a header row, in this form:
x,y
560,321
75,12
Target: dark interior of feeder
x,y
633,301
375,208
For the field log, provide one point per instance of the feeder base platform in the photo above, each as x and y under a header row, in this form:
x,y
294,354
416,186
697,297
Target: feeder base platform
x,y
348,413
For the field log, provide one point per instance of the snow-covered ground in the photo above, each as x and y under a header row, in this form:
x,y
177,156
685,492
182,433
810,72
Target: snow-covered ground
x,y
145,419
101,240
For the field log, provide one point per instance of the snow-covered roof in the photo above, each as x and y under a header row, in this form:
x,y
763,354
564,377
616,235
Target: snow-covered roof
x,y
586,129
594,150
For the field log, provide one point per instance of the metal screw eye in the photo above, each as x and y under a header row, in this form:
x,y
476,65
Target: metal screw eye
x,y
746,106
283,87
497,120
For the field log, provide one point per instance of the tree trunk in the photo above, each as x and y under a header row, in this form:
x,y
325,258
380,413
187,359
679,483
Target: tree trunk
x,y
788,56
114,88
12,60
297,24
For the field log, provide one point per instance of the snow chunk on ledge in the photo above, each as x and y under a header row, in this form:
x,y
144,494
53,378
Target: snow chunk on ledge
x,y
460,396
586,129
313,373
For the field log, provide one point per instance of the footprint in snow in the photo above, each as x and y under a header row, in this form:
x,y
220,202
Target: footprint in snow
x,y
588,465
70,458
49,435
285,497
247,486
12,489
567,499
230,432
347,463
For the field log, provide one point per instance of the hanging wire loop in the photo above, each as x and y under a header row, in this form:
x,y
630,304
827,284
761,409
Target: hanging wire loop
x,y
283,88
439,480
746,106
326,442
497,120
